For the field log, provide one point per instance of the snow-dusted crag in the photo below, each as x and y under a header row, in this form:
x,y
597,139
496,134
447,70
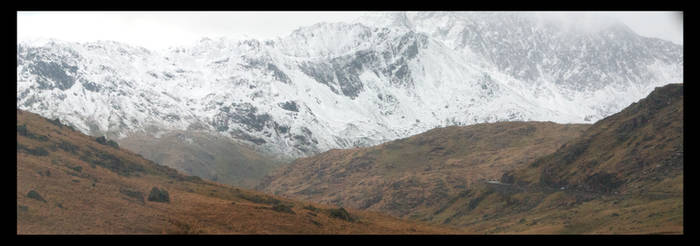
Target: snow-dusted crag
x,y
339,85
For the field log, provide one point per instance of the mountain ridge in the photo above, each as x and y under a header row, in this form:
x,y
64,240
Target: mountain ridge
x,y
357,85
267,61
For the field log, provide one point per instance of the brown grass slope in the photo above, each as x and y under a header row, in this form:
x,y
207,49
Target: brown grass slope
x,y
67,183
415,176
623,175
204,155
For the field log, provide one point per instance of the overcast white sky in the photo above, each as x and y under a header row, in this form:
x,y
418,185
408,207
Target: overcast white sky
x,y
157,30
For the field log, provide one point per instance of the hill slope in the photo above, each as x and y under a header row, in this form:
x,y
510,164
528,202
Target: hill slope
x,y
70,183
208,156
411,176
624,174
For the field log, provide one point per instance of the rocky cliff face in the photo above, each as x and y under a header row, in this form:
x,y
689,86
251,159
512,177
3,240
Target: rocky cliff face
x,y
340,85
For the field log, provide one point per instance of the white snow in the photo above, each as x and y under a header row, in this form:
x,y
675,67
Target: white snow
x,y
158,91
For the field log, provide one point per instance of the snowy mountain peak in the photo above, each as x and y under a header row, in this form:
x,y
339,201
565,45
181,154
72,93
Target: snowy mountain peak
x,y
339,85
328,40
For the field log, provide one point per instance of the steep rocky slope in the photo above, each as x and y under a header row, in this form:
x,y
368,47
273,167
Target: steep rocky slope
x,y
585,53
70,183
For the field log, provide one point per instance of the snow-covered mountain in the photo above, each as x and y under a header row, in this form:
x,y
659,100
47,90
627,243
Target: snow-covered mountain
x,y
340,85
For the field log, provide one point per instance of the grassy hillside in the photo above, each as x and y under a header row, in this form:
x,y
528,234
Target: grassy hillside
x,y
623,175
209,157
414,176
70,183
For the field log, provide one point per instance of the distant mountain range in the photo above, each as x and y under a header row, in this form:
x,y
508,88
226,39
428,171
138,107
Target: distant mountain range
x,y
344,85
